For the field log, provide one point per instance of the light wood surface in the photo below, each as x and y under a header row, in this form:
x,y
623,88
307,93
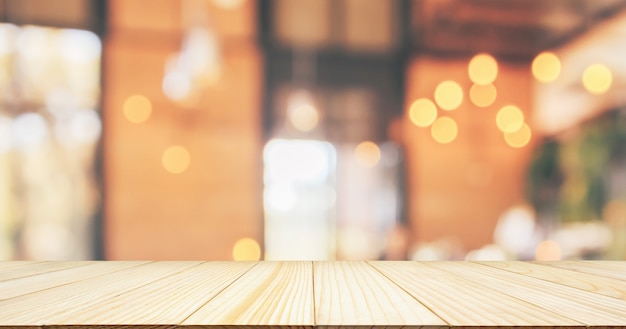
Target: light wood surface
x,y
353,294
304,294
590,282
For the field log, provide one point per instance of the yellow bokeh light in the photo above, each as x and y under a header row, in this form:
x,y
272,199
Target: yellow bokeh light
x,y
546,67
510,118
448,95
518,138
444,130
246,249
548,251
367,154
483,95
303,117
176,159
597,79
483,69
228,4
423,112
137,108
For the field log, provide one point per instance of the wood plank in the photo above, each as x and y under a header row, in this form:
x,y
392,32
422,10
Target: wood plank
x,y
166,301
12,263
311,294
35,268
43,307
276,294
33,283
461,302
580,280
353,294
620,264
585,307
596,268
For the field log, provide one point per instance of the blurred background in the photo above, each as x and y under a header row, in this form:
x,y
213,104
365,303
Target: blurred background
x,y
313,129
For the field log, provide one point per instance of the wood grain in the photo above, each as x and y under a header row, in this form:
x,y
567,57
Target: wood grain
x,y
444,293
582,306
620,265
44,307
35,268
29,284
589,282
17,263
185,292
597,268
307,295
355,294
276,294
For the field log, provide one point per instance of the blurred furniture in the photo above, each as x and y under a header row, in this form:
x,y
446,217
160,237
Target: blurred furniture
x,y
309,294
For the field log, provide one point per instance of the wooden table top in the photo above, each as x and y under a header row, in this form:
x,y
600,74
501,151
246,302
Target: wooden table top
x,y
311,294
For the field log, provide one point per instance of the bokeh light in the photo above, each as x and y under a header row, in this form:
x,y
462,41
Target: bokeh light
x,y
444,130
483,95
510,118
423,112
597,79
176,85
483,69
303,117
298,161
546,67
548,251
515,229
448,95
137,109
367,154
6,134
176,159
228,4
518,138
280,197
29,131
246,249
80,46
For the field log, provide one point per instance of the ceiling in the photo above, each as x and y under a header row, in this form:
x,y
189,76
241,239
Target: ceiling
x,y
512,28
563,103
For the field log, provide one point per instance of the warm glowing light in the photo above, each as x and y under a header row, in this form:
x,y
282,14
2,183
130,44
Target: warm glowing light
x,y
246,249
137,108
548,250
546,67
176,159
303,117
518,138
228,4
298,161
367,154
29,130
448,95
483,69
423,112
515,229
510,118
177,86
597,79
280,197
444,130
483,95
80,46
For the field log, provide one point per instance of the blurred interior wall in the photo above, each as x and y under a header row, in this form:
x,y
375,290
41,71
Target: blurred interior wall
x,y
458,190
201,212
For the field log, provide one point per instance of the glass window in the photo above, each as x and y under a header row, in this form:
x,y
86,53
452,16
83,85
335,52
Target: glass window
x,y
50,128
